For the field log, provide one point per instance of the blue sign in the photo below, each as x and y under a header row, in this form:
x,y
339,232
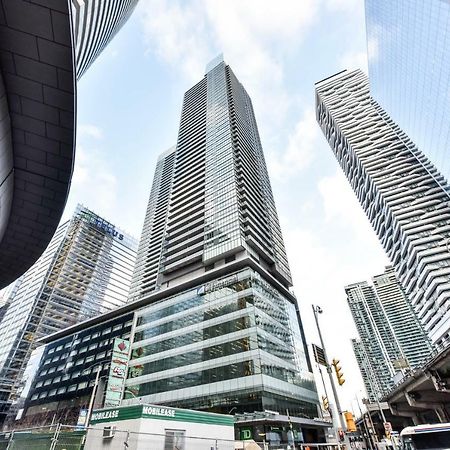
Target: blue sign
x,y
105,226
101,224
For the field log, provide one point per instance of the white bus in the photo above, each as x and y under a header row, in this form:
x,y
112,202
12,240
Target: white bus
x,y
429,437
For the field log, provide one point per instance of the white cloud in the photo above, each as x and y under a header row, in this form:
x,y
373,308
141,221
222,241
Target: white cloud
x,y
175,32
318,279
354,60
178,31
322,265
89,130
264,20
300,149
342,208
343,5
93,182
254,37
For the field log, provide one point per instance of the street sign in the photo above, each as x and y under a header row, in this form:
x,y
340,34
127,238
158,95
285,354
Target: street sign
x,y
400,363
81,423
375,406
319,355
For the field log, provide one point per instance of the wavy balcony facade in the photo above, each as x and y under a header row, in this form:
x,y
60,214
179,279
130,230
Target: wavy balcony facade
x,y
399,189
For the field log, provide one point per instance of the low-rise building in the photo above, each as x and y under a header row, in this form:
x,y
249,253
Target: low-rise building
x,y
150,426
64,381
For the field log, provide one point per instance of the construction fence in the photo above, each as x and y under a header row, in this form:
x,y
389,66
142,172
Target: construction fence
x,y
57,437
62,437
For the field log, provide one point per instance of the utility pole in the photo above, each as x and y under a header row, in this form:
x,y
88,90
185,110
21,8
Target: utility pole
x,y
318,310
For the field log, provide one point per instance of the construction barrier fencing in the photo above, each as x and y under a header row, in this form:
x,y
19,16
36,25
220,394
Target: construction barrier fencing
x,y
64,437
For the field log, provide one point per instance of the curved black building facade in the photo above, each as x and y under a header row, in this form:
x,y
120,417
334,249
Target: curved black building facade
x,y
37,128
44,47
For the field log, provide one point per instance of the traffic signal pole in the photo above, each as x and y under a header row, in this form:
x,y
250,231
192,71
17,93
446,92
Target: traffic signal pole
x,y
317,310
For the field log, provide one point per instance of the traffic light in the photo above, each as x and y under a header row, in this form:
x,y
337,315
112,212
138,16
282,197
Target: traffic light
x,y
338,370
350,421
325,404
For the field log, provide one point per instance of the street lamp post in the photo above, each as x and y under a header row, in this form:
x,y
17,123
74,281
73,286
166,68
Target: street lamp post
x,y
318,310
91,401
94,390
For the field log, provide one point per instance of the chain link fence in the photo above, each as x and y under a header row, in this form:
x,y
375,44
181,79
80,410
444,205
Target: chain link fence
x,y
55,437
62,437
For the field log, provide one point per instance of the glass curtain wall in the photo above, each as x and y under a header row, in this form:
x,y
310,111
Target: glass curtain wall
x,y
233,341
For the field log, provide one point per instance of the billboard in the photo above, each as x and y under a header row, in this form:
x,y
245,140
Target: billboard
x,y
117,372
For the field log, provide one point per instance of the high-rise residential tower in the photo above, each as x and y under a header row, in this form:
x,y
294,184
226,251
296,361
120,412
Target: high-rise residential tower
x,y
211,198
400,191
390,335
85,271
371,383
376,336
227,333
95,23
409,70
408,331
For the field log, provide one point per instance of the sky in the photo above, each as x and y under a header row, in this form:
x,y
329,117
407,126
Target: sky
x,y
129,105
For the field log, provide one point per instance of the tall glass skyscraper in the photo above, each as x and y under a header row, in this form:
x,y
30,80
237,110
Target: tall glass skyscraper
x,y
227,334
404,196
409,70
211,198
85,271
